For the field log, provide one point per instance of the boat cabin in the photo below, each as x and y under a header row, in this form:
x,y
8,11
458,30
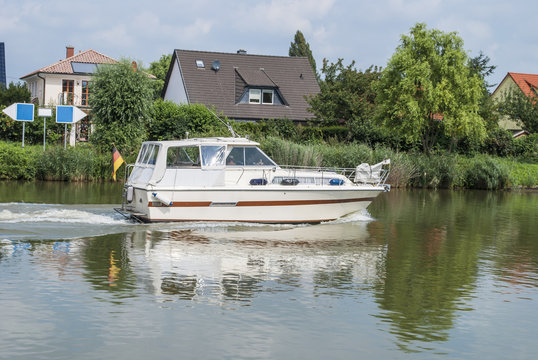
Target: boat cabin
x,y
199,162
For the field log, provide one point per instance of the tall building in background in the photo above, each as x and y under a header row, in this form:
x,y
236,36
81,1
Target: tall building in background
x,y
3,80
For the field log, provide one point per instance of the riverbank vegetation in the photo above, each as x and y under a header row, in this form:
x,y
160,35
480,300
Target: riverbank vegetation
x,y
429,111
436,171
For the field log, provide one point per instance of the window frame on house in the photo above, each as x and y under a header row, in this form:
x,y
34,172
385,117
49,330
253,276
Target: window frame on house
x,y
257,96
85,93
66,86
254,96
268,91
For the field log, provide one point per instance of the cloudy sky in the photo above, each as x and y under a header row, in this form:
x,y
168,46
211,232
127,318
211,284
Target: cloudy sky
x,y
35,32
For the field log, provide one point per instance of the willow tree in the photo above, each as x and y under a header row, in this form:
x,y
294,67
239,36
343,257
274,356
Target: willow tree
x,y
121,101
428,89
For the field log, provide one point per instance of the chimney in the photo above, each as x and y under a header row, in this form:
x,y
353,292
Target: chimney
x,y
69,51
241,52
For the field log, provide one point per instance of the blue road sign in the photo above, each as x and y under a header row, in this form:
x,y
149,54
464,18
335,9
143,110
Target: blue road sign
x,y
67,114
20,112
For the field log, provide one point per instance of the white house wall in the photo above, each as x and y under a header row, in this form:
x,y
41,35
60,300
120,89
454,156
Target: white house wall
x,y
54,87
175,90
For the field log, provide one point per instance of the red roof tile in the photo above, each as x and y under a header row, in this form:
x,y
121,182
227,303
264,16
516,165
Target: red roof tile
x,y
526,82
64,66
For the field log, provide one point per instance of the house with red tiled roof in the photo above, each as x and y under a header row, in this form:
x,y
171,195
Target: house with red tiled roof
x,y
527,84
242,86
67,82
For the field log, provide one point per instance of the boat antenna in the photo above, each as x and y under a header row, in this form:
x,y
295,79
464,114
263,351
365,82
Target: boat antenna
x,y
227,124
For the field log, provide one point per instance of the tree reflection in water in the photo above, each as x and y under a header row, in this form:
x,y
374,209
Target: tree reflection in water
x,y
436,241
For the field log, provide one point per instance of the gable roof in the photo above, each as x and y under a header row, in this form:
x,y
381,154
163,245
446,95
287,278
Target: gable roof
x,y
292,77
64,66
527,83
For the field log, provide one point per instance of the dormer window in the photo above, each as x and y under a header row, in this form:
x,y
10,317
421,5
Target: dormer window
x,y
259,96
267,96
254,96
200,64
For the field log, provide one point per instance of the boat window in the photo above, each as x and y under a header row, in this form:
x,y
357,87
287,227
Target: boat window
x,y
181,156
254,156
153,156
147,155
142,153
213,155
236,156
249,156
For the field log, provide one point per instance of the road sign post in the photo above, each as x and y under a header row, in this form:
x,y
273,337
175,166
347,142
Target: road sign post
x,y
67,114
44,113
20,112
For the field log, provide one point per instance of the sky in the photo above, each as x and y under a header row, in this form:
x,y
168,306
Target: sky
x,y
36,32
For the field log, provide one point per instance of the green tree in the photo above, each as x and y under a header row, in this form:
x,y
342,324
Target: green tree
x,y
345,93
428,89
347,98
480,66
299,47
522,109
121,104
172,121
160,69
14,93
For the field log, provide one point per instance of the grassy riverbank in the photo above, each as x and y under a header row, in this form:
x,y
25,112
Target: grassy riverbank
x,y
80,163
441,171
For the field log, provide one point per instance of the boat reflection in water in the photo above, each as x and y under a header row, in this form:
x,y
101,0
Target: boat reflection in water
x,y
235,265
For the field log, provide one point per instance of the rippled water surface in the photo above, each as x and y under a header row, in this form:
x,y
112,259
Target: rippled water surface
x,y
422,275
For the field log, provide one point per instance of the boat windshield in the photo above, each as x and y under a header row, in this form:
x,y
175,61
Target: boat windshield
x,y
249,156
148,154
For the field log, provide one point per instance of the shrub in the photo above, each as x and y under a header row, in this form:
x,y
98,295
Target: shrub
x,y
527,147
16,162
484,172
73,164
499,142
171,121
435,171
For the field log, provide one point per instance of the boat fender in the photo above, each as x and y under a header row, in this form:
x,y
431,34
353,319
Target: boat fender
x,y
258,182
130,193
336,182
289,181
162,199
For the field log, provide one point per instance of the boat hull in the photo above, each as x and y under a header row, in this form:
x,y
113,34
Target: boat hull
x,y
266,205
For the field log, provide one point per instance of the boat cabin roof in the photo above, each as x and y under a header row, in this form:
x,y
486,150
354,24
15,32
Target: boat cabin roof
x,y
206,141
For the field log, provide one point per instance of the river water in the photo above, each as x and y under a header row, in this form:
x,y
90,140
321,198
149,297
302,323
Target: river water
x,y
421,275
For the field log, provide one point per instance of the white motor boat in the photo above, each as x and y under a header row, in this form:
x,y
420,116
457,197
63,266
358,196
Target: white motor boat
x,y
231,179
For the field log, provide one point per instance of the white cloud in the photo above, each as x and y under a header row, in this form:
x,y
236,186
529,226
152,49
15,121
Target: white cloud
x,y
117,36
412,8
198,28
285,16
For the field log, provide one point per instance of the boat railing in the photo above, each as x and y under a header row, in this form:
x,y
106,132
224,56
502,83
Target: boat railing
x,y
376,175
128,170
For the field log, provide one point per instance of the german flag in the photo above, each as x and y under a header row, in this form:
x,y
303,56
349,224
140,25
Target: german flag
x,y
117,160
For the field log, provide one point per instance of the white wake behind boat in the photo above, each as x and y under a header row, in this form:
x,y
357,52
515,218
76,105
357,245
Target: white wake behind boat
x,y
231,179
